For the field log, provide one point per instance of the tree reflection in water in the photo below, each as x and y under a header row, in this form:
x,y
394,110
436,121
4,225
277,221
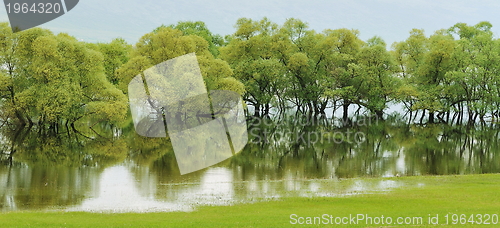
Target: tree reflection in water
x,y
292,156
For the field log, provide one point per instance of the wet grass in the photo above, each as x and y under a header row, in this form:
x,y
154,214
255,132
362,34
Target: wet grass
x,y
420,197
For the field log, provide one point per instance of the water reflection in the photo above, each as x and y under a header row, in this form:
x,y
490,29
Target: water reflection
x,y
44,187
125,172
120,192
117,193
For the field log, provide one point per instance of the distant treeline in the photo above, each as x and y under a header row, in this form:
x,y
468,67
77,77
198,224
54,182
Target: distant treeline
x,y
451,76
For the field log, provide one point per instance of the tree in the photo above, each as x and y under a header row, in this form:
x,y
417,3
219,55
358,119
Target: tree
x,y
308,66
422,64
199,28
409,55
254,53
377,86
115,54
343,70
477,59
431,76
166,43
56,79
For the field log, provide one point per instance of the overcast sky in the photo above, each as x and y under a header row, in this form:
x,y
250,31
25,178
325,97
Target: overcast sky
x,y
103,20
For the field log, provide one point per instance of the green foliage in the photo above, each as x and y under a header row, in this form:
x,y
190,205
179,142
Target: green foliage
x,y
450,71
198,28
115,54
270,65
54,79
378,84
311,69
166,43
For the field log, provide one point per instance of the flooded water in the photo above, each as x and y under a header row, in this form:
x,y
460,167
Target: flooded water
x,y
115,170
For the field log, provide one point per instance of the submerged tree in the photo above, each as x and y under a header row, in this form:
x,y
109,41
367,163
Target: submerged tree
x,y
453,71
378,85
257,53
477,68
54,79
50,80
293,64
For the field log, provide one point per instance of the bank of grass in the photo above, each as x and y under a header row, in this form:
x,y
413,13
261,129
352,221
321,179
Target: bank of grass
x,y
419,197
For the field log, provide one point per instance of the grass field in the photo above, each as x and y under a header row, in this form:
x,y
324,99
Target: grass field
x,y
452,196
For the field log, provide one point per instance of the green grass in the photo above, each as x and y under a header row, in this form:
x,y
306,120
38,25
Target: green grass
x,y
424,195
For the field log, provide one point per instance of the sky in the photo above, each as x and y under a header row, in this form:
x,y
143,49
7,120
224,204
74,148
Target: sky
x,y
103,20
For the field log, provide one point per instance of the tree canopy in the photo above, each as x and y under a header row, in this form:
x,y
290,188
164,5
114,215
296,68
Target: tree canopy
x,y
52,80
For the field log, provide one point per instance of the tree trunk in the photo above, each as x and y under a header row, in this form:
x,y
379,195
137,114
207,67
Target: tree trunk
x,y
431,117
20,118
345,117
380,114
257,110
422,118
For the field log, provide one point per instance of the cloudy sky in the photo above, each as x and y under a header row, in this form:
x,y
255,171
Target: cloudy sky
x,y
103,20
